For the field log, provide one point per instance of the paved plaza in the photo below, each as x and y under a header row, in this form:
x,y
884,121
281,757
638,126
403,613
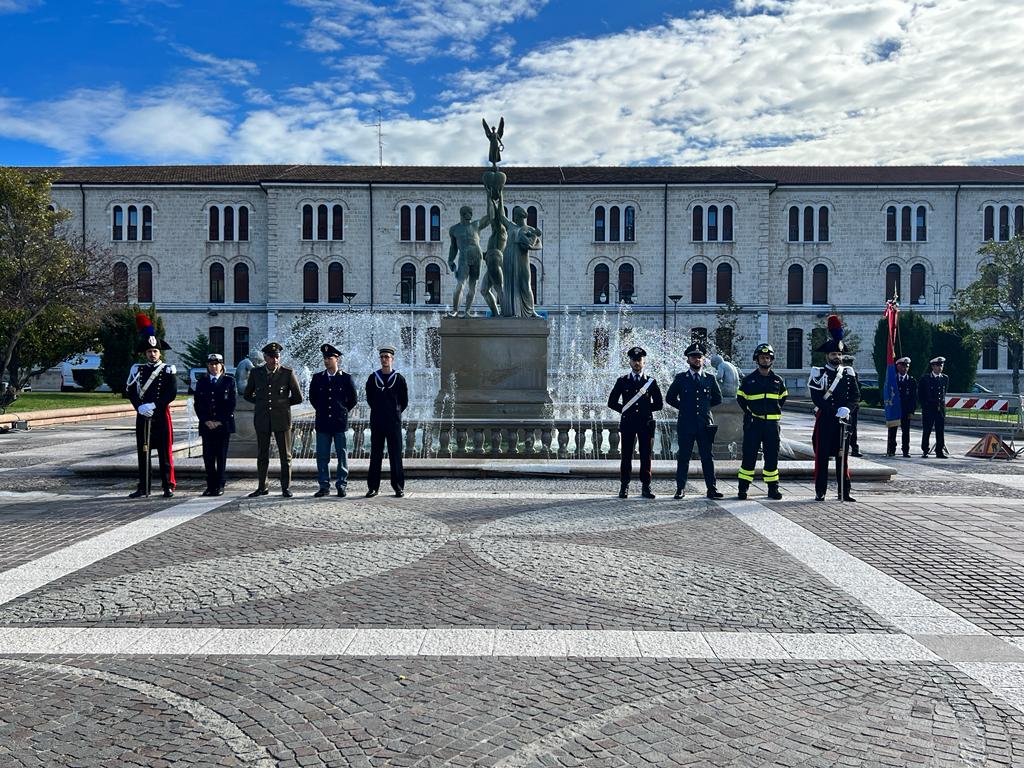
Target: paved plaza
x,y
508,622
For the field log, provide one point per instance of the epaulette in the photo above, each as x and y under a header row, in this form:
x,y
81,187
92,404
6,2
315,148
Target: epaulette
x,y
171,370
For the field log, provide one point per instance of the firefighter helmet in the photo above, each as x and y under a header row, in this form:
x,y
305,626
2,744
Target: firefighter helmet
x,y
764,349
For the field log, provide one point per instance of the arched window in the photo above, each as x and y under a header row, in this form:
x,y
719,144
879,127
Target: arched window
x,y
432,278
1018,220
533,283
321,222
614,232
421,223
599,224
794,348
241,343
307,222
121,282
727,223
823,234
808,224
310,283
435,224
241,283
243,223
409,282
921,224
917,281
698,223
1004,223
335,283
217,339
626,286
216,283
147,222
890,224
531,215
989,233
229,223
337,228
794,224
723,283
990,351
602,284
144,279
118,226
629,224
795,285
133,223
819,284
214,222
905,223
405,223
712,222
892,281
699,283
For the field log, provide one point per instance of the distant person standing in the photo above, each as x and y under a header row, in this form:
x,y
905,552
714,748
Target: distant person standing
x,y
215,409
931,392
274,390
834,391
332,393
387,394
151,387
694,392
636,397
761,395
908,404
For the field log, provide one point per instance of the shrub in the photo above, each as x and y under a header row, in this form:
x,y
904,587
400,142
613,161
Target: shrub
x,y
88,379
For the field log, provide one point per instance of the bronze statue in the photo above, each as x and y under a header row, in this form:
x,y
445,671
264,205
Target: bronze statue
x,y
492,287
465,244
522,238
494,135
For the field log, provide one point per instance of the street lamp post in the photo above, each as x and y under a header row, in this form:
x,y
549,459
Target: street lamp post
x,y
936,289
604,295
674,298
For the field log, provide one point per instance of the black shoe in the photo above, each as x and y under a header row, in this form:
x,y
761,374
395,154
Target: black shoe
x,y
891,454
773,493
371,493
207,492
218,492
647,493
848,497
906,454
941,455
741,495
680,492
715,495
321,493
819,497
168,493
399,493
744,486
341,493
924,454
857,453
286,493
259,492
623,491
137,494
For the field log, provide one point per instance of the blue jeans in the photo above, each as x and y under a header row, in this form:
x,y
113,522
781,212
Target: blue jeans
x,y
323,458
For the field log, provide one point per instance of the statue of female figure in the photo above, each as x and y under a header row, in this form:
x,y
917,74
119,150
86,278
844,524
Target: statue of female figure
x,y
494,135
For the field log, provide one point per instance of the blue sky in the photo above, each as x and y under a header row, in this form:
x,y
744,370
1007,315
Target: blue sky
x,y
616,83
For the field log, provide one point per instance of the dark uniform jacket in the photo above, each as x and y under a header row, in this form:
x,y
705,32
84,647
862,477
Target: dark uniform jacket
x,y
641,414
694,399
908,394
845,394
161,392
387,397
332,397
932,390
762,397
273,394
215,402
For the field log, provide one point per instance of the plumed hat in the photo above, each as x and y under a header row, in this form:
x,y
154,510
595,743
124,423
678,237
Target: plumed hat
x,y
835,330
147,334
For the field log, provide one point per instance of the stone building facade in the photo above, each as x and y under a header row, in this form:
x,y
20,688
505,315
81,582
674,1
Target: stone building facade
x,y
238,252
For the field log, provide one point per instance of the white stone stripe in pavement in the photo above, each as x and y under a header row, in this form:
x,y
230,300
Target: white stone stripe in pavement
x,y
468,641
25,578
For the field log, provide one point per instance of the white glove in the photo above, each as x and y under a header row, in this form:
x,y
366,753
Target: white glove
x,y
843,413
146,409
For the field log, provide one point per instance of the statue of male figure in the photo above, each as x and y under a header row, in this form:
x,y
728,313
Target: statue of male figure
x,y
522,238
465,243
492,287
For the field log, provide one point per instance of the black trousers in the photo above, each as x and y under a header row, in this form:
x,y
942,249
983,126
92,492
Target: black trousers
x,y
159,438
215,456
284,450
905,442
645,436
933,418
392,436
705,441
826,447
760,434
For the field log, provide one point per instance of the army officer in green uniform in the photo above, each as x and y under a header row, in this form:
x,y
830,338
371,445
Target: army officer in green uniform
x,y
274,390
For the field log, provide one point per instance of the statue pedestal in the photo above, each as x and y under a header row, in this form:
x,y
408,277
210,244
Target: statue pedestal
x,y
243,442
494,367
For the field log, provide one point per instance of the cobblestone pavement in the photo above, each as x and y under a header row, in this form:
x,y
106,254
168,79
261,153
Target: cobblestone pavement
x,y
509,623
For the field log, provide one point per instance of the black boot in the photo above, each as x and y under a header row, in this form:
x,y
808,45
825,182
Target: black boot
x,y
624,491
744,487
773,491
646,492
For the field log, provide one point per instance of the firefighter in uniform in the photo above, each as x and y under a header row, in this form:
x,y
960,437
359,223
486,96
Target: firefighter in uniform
x,y
636,397
908,404
151,387
834,391
274,390
215,409
332,393
761,395
387,394
931,394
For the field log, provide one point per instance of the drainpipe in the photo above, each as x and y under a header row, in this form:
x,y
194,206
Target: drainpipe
x,y
81,189
956,231
561,181
664,263
370,188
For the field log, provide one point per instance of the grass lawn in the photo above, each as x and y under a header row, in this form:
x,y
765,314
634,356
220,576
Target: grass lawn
x,y
43,401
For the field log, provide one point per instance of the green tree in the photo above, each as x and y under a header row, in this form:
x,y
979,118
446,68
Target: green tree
x,y
818,335
996,299
913,340
49,284
959,344
196,352
727,338
120,340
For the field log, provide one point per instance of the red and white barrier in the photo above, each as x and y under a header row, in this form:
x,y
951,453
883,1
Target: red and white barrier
x,y
964,403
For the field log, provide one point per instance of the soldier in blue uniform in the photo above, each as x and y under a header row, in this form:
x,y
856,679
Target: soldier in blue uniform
x,y
834,391
694,392
636,397
908,404
151,387
388,396
215,409
931,392
761,395
332,393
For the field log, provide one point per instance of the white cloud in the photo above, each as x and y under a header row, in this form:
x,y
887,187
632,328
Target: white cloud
x,y
18,6
234,71
167,131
